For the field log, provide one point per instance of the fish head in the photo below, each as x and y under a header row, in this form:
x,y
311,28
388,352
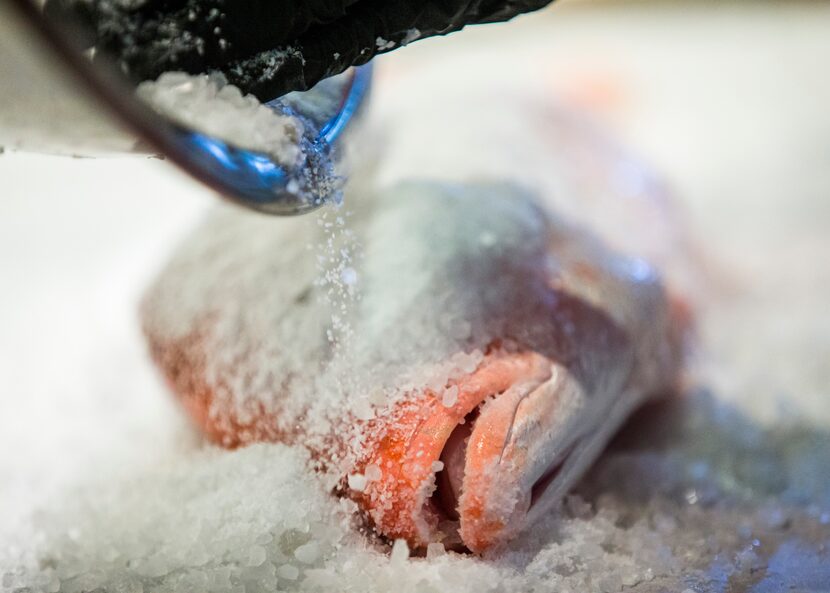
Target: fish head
x,y
478,472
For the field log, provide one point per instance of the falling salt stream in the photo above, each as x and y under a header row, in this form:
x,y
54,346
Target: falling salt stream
x,y
695,497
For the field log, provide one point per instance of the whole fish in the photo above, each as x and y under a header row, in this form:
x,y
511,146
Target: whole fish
x,y
454,354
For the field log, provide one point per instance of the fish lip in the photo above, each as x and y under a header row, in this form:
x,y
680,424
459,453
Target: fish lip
x,y
407,444
541,431
531,503
524,436
445,504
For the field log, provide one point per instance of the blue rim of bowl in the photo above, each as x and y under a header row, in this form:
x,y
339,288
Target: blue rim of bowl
x,y
255,180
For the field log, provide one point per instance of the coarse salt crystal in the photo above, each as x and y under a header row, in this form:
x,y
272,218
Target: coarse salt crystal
x,y
400,552
411,35
357,482
363,409
308,553
437,381
289,572
384,44
373,473
450,396
437,466
256,556
435,550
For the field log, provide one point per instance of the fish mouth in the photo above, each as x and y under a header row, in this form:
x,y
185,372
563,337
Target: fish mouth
x,y
468,474
450,480
502,462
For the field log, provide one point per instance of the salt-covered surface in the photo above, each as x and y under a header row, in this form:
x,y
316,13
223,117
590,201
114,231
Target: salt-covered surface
x,y
724,490
415,319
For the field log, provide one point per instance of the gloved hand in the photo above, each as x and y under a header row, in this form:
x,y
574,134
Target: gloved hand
x,y
270,47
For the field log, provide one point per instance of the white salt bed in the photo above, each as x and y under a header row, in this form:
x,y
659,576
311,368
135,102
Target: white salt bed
x,y
207,103
726,490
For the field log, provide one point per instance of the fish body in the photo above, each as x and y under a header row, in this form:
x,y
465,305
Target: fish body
x,y
454,354
491,350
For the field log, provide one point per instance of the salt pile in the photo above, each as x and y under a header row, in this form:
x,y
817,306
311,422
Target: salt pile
x,y
200,523
286,130
207,103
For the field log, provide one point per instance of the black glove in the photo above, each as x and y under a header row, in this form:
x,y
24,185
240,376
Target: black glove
x,y
270,47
